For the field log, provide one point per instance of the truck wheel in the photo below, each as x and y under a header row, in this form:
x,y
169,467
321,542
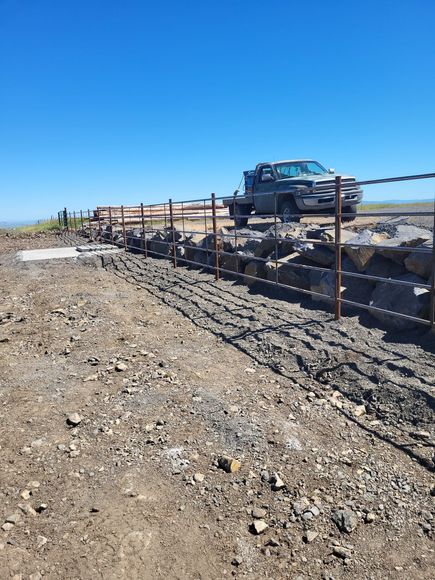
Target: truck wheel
x,y
350,210
289,212
241,219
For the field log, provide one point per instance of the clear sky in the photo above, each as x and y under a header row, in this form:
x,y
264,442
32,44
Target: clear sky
x,y
105,101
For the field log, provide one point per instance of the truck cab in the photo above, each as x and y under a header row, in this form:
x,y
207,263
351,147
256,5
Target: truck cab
x,y
291,188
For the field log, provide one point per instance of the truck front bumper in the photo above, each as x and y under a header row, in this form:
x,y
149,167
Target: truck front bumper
x,y
322,201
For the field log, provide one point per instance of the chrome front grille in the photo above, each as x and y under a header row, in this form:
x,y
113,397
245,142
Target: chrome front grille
x,y
328,186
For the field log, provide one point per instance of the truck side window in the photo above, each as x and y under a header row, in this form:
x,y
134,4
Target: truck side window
x,y
267,170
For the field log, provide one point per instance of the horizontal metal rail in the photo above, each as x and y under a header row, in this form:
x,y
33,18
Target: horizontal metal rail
x,y
108,223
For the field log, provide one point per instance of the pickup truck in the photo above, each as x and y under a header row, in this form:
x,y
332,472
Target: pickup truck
x,y
290,188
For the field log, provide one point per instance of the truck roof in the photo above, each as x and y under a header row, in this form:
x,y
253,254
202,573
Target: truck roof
x,y
284,161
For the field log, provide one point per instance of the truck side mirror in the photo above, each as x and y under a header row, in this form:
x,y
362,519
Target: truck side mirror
x,y
331,170
267,177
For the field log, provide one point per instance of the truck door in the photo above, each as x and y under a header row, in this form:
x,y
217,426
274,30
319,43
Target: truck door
x,y
264,188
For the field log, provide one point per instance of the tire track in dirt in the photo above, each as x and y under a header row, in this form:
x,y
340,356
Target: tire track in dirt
x,y
291,341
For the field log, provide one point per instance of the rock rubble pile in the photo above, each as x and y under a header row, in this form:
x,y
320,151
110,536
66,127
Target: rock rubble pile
x,y
302,256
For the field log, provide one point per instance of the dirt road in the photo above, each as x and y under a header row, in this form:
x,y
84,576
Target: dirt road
x,y
168,372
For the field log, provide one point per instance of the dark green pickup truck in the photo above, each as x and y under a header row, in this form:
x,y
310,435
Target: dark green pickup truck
x,y
289,188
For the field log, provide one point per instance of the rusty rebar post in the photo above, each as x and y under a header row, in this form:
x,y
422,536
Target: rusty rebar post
x,y
275,208
171,223
432,281
184,235
144,241
124,235
81,220
75,222
110,224
215,234
99,224
151,223
235,231
338,206
151,218
205,224
89,223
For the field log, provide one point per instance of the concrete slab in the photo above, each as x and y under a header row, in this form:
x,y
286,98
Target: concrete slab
x,y
47,254
96,247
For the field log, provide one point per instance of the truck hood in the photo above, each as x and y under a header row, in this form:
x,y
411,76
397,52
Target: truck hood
x,y
313,180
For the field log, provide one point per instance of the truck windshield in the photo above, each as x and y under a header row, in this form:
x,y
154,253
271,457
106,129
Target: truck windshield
x,y
299,168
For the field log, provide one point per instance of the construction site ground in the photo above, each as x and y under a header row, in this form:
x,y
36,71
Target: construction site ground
x,y
168,372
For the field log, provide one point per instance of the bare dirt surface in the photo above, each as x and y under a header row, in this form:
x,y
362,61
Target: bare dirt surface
x,y
425,221
169,371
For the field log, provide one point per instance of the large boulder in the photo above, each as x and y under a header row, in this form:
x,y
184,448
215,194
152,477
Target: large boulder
x,y
286,235
135,240
361,256
207,242
409,300
406,236
235,262
292,231
178,235
243,239
118,239
158,245
316,253
254,272
200,257
180,253
106,233
328,235
384,268
266,247
322,283
420,262
354,288
192,242
271,247
288,272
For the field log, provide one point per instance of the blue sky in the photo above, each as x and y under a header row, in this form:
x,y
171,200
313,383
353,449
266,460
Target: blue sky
x,y
121,102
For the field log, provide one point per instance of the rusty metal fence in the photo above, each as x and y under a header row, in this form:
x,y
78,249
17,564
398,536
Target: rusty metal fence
x,y
177,223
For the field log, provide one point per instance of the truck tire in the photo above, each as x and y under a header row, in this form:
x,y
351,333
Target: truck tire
x,y
352,209
242,213
289,211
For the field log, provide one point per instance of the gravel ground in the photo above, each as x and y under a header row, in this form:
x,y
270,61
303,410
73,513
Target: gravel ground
x,y
417,220
328,425
368,365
